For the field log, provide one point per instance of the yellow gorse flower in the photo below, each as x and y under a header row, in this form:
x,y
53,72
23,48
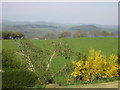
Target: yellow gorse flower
x,y
95,66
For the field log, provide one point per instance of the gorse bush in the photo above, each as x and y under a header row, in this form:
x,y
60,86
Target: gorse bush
x,y
96,66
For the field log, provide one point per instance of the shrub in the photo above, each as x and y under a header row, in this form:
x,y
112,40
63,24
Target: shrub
x,y
10,60
96,66
15,74
18,79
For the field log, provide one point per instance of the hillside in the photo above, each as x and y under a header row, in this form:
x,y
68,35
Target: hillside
x,y
85,27
38,29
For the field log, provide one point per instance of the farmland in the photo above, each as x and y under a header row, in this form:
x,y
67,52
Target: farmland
x,y
107,45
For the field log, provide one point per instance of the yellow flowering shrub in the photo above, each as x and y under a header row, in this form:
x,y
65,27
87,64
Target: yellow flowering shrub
x,y
95,67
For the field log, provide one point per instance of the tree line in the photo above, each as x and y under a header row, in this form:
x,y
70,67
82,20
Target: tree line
x,y
11,35
66,34
77,34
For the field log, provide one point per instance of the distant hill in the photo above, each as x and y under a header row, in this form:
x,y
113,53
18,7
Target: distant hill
x,y
26,26
107,26
40,28
85,27
33,29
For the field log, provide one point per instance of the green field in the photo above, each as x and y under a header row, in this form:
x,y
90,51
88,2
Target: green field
x,y
107,45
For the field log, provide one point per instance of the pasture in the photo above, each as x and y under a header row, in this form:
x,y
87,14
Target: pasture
x,y
107,45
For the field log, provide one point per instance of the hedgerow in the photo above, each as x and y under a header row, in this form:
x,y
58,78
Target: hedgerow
x,y
18,79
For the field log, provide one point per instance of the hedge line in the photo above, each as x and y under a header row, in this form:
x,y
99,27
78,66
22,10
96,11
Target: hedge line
x,y
18,79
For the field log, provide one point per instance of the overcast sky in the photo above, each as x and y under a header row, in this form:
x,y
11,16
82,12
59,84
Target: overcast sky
x,y
105,13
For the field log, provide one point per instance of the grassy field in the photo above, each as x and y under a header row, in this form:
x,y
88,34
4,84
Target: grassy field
x,y
107,45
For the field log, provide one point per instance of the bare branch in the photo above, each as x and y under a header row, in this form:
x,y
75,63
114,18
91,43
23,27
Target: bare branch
x,y
48,66
31,67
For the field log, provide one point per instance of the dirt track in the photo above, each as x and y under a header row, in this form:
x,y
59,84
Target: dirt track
x,y
113,84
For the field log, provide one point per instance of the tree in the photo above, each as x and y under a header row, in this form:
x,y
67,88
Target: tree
x,y
106,34
17,35
5,35
35,58
65,35
12,35
63,49
100,33
80,33
39,60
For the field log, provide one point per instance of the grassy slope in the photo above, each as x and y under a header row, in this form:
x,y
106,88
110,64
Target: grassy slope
x,y
107,45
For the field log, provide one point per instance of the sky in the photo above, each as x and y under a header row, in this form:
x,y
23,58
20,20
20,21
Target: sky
x,y
59,0
104,13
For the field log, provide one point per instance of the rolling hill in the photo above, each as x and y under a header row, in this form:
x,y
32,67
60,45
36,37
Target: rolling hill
x,y
38,29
